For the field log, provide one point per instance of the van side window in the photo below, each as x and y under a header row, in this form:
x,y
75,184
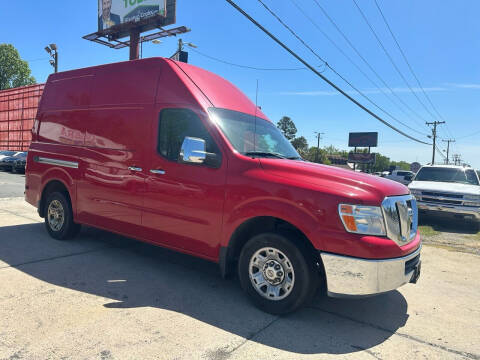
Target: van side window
x,y
174,126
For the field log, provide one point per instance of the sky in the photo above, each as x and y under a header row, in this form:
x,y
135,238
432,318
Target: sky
x,y
440,39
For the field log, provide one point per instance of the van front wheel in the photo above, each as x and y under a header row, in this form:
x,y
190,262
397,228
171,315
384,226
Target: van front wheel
x,y
276,274
59,217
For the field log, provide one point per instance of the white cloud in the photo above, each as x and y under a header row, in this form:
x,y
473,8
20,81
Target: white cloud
x,y
466,86
372,91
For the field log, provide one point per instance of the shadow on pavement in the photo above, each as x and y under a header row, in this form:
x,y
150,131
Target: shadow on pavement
x,y
449,224
134,274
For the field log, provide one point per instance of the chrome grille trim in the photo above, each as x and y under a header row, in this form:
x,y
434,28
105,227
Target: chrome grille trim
x,y
401,218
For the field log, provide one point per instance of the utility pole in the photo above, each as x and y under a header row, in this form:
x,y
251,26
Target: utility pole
x,y
448,147
53,52
434,136
319,136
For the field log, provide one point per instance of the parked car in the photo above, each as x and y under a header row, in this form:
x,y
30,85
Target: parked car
x,y
20,164
401,176
7,162
448,190
176,156
5,153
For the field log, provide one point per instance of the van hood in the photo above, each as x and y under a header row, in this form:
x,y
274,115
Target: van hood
x,y
359,187
449,187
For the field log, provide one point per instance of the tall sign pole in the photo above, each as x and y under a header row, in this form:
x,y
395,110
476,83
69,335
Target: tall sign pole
x,y
134,44
434,137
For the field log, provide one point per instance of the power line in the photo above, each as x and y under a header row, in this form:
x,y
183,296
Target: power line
x,y
291,52
330,67
469,135
246,66
391,59
408,64
368,64
356,65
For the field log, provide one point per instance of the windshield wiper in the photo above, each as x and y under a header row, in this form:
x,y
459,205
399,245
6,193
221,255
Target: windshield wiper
x,y
264,153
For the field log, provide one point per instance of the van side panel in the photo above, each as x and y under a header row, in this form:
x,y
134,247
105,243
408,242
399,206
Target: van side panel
x,y
110,194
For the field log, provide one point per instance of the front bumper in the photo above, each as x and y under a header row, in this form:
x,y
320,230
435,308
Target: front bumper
x,y
450,209
348,276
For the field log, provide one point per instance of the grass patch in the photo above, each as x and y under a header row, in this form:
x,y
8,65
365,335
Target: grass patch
x,y
426,230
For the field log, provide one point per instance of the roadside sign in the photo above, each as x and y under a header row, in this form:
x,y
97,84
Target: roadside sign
x,y
362,158
415,166
363,139
118,12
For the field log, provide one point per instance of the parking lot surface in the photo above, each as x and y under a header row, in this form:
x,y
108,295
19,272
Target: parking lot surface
x,y
103,296
11,185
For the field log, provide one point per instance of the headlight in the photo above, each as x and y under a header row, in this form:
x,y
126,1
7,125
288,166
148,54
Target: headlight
x,y
367,220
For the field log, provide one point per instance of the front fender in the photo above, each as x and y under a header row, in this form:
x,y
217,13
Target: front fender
x,y
283,209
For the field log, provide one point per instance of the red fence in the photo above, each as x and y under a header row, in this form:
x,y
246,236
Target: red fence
x,y
18,108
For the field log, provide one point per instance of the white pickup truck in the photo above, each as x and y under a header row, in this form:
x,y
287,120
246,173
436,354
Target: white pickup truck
x,y
447,189
401,176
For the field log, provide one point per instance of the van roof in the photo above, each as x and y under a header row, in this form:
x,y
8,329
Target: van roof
x,y
209,89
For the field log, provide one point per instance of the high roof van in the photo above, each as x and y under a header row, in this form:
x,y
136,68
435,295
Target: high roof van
x,y
176,156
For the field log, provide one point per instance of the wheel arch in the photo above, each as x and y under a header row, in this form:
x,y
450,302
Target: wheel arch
x,y
256,225
52,185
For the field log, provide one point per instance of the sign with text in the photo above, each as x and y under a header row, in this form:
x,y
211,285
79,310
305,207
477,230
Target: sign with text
x,y
118,12
363,139
362,158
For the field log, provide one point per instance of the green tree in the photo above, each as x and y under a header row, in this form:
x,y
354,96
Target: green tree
x,y
287,127
14,71
322,155
300,144
402,165
382,163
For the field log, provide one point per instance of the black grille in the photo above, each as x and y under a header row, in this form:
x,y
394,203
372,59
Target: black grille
x,y
442,201
444,195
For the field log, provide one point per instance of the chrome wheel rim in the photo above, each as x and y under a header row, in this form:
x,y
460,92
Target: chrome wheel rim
x,y
56,215
271,273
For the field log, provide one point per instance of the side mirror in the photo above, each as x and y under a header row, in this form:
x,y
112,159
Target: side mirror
x,y
193,151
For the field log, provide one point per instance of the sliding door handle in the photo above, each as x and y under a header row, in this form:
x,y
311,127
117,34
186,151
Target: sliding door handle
x,y
158,172
134,168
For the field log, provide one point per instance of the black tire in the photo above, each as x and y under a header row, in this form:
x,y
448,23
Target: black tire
x,y
67,229
305,274
14,171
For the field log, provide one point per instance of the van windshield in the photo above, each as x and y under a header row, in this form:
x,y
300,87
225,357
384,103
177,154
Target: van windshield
x,y
253,136
464,176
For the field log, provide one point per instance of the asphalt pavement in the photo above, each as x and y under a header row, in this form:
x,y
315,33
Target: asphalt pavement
x,y
11,185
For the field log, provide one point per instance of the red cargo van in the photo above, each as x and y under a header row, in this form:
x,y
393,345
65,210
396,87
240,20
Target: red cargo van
x,y
176,156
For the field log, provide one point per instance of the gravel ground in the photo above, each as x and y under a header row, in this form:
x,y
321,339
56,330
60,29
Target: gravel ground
x,y
451,234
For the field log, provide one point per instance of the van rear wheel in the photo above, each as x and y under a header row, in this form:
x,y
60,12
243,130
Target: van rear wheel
x,y
276,274
59,217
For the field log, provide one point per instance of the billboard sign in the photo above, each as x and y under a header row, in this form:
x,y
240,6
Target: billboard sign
x,y
363,139
117,12
362,158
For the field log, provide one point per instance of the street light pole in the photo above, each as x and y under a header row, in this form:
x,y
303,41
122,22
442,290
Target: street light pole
x,y
53,52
